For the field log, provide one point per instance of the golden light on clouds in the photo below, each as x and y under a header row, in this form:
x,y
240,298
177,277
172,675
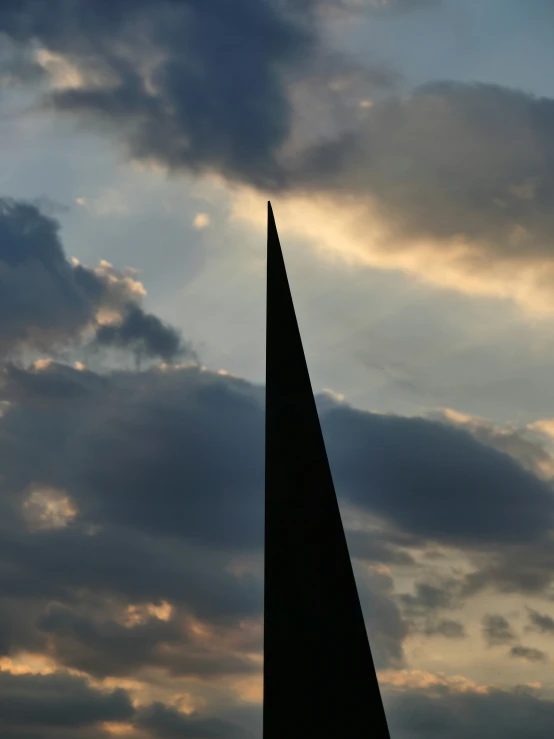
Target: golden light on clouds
x,y
421,680
544,426
201,220
249,690
118,729
105,270
41,364
27,663
350,232
140,614
63,74
48,508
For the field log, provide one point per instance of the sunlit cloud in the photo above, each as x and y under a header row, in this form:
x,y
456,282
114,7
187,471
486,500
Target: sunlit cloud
x,y
201,220
351,232
421,680
48,508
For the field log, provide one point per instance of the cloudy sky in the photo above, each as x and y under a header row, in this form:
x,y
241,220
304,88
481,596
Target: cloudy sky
x,y
407,147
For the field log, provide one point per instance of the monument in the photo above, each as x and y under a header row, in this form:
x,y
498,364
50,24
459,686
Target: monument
x,y
319,676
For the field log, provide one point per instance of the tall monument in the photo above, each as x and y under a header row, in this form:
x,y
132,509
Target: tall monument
x,y
319,676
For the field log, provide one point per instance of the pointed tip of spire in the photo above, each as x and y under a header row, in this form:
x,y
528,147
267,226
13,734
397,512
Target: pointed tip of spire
x,y
273,238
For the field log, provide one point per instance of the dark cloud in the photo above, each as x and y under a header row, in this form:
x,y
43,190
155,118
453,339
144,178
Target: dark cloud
x,y
144,449
167,723
528,654
451,160
370,546
47,302
168,465
43,298
145,334
447,627
497,630
58,701
178,454
108,648
196,86
386,627
193,84
200,432
451,714
165,471
524,445
428,597
541,622
34,706
514,569
423,609
474,495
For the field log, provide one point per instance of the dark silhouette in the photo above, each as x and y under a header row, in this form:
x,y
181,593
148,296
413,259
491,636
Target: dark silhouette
x,y
319,677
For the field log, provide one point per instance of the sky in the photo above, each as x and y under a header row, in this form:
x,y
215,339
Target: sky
x,y
407,149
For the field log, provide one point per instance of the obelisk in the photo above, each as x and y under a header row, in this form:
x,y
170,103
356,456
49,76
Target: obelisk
x,y
319,676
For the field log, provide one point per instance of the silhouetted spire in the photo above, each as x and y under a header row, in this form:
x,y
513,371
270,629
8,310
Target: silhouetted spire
x,y
319,677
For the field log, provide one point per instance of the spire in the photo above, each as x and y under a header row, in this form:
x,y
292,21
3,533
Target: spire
x,y
319,677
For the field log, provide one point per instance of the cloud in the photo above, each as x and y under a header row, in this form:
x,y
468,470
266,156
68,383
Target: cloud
x,y
369,546
145,334
497,630
190,85
386,627
43,298
148,488
447,627
452,160
201,220
458,503
167,723
47,302
514,569
451,182
171,425
223,105
110,648
17,66
176,453
163,472
60,701
528,654
541,622
454,714
423,609
429,597
60,705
